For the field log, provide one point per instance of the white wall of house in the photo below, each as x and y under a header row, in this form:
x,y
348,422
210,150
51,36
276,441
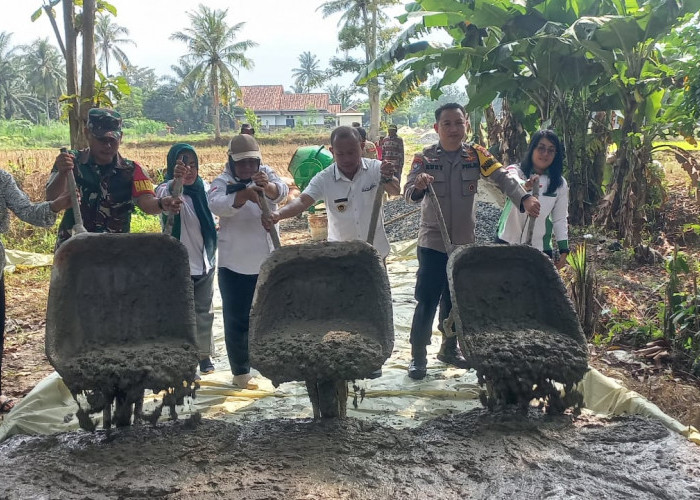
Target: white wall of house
x,y
346,119
280,120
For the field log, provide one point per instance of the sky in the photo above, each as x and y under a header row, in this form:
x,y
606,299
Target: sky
x,y
282,28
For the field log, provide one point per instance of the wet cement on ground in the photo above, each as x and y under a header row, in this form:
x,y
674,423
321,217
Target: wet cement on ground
x,y
116,377
478,454
318,349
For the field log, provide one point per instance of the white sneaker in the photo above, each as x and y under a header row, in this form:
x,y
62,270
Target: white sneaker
x,y
245,381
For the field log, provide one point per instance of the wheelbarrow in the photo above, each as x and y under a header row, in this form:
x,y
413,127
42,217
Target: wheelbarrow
x,y
514,323
322,313
120,319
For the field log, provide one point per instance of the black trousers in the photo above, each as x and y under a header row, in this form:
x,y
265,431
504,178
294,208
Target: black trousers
x,y
236,298
2,322
432,290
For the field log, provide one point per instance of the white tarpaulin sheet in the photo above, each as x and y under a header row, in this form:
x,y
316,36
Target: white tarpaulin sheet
x,y
394,399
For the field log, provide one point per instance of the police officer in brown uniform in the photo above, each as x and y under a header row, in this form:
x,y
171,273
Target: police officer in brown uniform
x,y
453,168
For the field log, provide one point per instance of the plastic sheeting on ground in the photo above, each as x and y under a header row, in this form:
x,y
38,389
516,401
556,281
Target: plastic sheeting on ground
x,y
394,399
14,258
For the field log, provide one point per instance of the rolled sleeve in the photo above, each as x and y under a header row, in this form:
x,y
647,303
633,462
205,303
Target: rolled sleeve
x,y
417,167
282,187
314,189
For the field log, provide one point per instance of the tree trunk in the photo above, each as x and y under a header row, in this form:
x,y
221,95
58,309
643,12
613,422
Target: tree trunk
x,y
52,19
507,139
87,87
622,207
371,55
514,137
215,103
76,130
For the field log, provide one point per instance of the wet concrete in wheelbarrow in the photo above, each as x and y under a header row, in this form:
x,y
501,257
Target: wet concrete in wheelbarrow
x,y
478,454
322,313
518,365
517,326
116,378
319,349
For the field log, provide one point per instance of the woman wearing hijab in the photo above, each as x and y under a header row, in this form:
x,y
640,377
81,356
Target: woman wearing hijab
x,y
195,228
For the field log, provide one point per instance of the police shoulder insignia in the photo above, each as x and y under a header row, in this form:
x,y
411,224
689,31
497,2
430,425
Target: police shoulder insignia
x,y
481,149
417,162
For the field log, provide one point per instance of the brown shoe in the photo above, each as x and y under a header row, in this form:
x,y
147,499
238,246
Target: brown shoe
x,y
449,353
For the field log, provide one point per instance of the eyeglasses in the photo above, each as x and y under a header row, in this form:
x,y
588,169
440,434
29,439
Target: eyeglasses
x,y
544,150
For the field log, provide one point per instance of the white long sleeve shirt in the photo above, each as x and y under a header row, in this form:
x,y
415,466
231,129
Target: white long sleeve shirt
x,y
190,232
554,210
243,242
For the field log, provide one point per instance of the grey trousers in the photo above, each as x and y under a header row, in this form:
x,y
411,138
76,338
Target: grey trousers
x,y
204,312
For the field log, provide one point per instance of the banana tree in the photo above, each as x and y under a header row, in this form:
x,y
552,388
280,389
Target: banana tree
x,y
516,51
568,58
636,76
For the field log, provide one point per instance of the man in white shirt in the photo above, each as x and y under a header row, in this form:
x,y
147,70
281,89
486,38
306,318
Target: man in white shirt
x,y
348,188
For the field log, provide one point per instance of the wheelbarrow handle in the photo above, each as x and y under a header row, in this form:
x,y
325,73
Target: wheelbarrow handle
x,y
78,226
176,191
441,220
266,212
530,218
376,207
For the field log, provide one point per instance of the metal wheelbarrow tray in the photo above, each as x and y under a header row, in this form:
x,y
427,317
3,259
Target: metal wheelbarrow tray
x,y
120,319
321,311
516,325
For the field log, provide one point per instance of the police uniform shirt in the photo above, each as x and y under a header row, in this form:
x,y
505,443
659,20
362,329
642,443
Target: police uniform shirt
x,y
349,203
456,177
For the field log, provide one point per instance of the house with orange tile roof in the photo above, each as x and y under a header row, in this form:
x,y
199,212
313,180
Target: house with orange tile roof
x,y
277,109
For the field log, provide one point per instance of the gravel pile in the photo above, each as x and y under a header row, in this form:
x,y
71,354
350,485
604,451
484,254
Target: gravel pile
x,y
406,227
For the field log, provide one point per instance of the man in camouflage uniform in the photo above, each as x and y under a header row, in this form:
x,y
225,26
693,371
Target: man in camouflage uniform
x,y
453,168
392,150
110,186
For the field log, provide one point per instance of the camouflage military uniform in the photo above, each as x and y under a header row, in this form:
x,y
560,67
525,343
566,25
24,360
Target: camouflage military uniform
x,y
455,185
107,194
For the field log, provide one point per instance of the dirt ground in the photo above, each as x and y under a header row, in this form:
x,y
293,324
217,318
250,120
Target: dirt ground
x,y
25,363
470,455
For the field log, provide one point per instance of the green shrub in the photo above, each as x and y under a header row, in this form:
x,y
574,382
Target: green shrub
x,y
143,126
141,222
22,133
23,236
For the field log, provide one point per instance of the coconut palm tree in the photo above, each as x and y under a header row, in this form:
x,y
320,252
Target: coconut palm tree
x,y
308,75
361,22
341,95
15,100
108,38
43,67
215,54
